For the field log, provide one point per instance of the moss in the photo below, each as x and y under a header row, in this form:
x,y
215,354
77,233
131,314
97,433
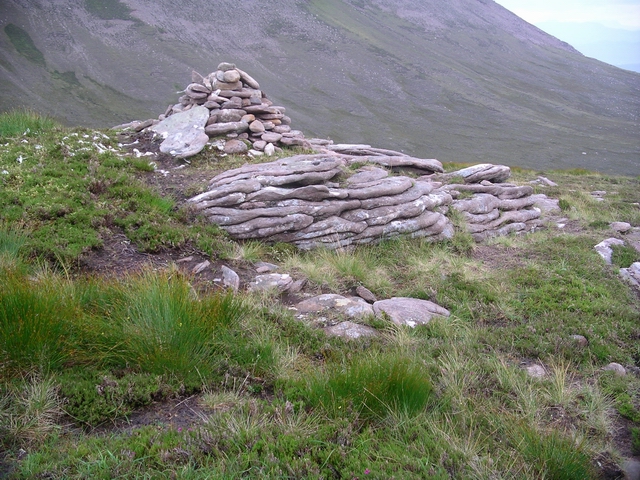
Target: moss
x,y
23,43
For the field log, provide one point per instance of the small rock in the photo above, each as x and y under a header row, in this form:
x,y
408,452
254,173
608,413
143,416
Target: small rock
x,y
297,286
264,267
621,227
580,340
185,259
547,182
271,281
270,149
632,274
230,278
235,147
616,368
409,311
536,371
201,267
604,248
366,294
352,307
350,330
256,126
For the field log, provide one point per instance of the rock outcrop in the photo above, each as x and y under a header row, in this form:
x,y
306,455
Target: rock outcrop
x,y
356,194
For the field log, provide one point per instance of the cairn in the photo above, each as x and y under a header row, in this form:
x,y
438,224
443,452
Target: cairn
x,y
237,109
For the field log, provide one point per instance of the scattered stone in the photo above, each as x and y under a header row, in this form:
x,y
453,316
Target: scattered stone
x,y
351,307
230,278
621,227
297,286
536,371
264,267
580,340
604,248
632,274
546,181
350,330
366,294
201,267
185,259
271,281
616,368
409,311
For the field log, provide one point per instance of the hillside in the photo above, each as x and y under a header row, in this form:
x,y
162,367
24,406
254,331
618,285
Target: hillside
x,y
464,80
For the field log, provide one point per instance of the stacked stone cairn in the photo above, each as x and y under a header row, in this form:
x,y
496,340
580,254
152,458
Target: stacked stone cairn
x,y
236,108
355,194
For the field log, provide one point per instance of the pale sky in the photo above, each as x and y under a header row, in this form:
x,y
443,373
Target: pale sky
x,y
612,13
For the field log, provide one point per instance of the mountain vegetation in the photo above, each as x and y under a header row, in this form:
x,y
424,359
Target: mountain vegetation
x,y
117,361
462,80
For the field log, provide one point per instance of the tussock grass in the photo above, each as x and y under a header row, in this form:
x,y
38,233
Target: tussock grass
x,y
24,122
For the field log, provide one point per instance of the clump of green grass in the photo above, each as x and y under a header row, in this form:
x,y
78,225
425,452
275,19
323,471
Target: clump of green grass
x,y
622,256
554,456
24,122
36,319
157,323
29,411
373,387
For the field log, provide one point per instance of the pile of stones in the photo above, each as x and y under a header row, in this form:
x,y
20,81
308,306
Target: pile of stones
x,y
356,194
229,104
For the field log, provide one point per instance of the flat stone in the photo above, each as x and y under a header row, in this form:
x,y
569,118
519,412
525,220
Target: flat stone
x,y
297,286
621,227
264,267
616,368
366,294
366,175
226,127
259,145
604,248
224,66
484,171
230,278
632,274
352,307
229,115
580,340
350,330
235,147
231,76
249,80
409,311
271,137
183,132
271,281
536,371
201,267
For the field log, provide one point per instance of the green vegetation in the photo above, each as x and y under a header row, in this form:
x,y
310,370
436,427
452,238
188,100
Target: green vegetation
x,y
157,374
23,43
109,9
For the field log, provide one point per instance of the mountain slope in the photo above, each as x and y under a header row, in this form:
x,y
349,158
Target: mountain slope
x,y
463,80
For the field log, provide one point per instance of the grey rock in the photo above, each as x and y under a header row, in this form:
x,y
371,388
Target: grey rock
x,y
230,278
271,281
256,126
621,227
366,294
271,137
351,307
631,468
580,340
235,147
604,248
201,267
224,66
269,149
297,286
225,127
231,76
632,274
248,80
367,174
263,267
616,368
350,330
259,145
546,204
484,171
184,132
536,371
409,311
230,115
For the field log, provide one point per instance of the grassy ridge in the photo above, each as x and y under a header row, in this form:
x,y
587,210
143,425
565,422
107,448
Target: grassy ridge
x,y
272,395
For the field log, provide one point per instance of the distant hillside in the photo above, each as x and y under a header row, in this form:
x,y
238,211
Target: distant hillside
x,y
461,80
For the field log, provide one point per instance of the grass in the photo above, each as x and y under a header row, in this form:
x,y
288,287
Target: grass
x,y
271,396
